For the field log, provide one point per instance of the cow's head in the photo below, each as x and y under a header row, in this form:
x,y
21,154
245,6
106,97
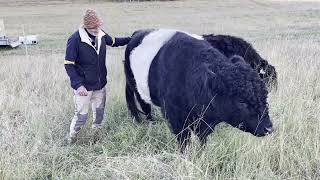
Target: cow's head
x,y
247,106
250,118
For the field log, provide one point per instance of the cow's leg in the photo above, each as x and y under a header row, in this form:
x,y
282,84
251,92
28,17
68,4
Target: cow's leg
x,y
202,131
146,108
131,103
184,138
179,125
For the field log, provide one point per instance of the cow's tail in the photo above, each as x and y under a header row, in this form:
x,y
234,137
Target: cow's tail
x,y
131,103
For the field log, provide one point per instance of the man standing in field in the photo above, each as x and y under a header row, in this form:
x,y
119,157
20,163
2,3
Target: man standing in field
x,y
85,65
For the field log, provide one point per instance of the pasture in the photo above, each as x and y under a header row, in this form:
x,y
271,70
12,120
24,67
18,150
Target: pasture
x,y
36,102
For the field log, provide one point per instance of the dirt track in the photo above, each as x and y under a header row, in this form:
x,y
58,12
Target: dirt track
x,y
15,3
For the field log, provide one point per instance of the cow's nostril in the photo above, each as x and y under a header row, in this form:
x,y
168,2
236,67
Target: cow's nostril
x,y
268,130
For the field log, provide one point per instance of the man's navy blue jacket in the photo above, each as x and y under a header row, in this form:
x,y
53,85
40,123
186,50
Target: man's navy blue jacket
x,y
86,64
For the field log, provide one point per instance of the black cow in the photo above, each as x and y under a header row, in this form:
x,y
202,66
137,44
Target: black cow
x,y
194,84
231,45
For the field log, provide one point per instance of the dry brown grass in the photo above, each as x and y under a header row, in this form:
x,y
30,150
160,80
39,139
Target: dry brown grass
x,y
36,100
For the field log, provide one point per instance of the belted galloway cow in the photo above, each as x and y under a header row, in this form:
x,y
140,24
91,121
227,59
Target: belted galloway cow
x,y
194,84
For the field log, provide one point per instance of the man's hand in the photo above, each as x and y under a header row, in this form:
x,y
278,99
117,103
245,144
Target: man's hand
x,y
82,91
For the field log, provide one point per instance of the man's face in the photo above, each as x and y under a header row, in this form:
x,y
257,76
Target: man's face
x,y
93,31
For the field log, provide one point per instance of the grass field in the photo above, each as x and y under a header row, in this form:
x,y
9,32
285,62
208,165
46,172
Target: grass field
x,y
36,103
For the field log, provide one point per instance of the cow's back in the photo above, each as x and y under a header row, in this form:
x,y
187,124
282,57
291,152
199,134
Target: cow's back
x,y
172,70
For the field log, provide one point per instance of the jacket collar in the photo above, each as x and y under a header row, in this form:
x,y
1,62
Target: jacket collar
x,y
85,38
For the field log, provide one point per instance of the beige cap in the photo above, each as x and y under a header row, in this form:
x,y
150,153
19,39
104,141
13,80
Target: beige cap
x,y
91,19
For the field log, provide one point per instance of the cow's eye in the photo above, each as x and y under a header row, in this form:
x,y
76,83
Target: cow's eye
x,y
243,105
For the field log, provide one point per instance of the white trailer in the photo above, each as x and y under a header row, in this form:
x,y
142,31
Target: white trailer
x,y
6,41
30,39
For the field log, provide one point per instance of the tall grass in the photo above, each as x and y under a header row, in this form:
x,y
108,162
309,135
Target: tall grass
x,y
36,108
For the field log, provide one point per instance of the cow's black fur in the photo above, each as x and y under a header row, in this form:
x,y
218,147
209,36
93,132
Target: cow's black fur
x,y
198,87
231,45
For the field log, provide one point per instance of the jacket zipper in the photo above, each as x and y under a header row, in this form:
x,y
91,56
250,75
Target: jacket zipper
x,y
99,74
98,68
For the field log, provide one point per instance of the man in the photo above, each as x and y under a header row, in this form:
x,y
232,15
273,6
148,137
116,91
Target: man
x,y
86,68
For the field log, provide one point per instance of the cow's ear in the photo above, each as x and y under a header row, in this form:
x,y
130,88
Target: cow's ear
x,y
237,59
